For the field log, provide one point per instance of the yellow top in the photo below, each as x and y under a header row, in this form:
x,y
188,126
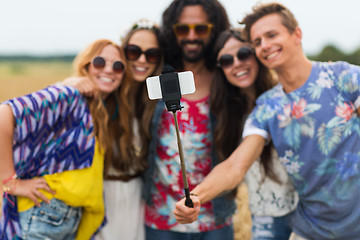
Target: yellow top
x,y
78,188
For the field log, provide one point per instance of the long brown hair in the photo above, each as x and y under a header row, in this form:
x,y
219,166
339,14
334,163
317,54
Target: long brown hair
x,y
111,116
231,107
142,107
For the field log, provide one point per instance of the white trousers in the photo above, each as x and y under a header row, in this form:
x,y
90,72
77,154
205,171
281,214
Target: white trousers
x,y
124,211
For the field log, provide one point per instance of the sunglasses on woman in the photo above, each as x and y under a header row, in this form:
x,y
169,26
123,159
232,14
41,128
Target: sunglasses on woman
x,y
99,63
242,54
202,30
133,52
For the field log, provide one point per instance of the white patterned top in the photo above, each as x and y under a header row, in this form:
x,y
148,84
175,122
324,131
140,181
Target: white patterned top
x,y
267,197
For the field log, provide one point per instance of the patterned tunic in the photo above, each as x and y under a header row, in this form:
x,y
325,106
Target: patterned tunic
x,y
53,133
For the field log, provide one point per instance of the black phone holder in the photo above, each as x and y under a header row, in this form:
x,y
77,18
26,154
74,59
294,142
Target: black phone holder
x,y
170,90
171,95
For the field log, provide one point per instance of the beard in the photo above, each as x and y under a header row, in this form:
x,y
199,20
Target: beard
x,y
193,56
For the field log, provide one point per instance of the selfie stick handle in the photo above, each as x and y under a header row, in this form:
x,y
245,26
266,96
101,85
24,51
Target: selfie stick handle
x,y
188,201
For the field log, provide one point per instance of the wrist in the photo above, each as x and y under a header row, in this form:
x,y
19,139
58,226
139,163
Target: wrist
x,y
10,184
12,177
191,194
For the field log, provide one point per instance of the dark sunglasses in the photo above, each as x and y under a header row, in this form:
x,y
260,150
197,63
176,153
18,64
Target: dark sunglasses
x,y
133,52
202,30
242,54
99,63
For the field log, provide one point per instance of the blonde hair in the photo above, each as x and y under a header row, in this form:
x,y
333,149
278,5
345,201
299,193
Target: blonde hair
x,y
112,116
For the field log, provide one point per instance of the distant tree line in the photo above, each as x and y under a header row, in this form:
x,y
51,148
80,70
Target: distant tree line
x,y
329,53
332,53
27,58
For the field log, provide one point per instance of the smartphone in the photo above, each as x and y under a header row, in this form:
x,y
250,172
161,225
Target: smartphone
x,y
186,82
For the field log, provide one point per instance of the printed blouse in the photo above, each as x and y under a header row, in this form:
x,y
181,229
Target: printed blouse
x,y
53,133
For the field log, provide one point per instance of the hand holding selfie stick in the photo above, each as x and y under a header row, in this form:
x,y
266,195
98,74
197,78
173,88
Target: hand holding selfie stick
x,y
169,83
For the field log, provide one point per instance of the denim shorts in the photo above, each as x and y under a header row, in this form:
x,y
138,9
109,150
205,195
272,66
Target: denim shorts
x,y
225,233
55,220
271,228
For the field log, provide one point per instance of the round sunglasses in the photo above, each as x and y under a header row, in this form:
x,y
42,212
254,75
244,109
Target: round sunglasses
x,y
182,30
242,54
99,63
133,52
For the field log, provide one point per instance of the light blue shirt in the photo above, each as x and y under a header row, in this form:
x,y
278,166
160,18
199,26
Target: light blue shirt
x,y
316,131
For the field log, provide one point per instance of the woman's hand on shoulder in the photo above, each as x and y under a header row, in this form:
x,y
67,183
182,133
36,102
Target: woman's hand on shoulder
x,y
83,84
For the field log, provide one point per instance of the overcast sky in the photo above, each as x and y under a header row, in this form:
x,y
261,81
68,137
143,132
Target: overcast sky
x,y
66,26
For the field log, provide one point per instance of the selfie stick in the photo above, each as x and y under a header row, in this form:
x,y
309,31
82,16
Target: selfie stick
x,y
171,92
188,201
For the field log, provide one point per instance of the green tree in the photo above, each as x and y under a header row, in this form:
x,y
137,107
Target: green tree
x,y
332,53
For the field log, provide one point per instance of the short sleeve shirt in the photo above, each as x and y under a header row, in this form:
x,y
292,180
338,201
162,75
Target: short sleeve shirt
x,y
316,131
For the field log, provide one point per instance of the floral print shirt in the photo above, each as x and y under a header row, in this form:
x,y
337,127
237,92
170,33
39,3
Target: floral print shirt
x,y
194,127
316,131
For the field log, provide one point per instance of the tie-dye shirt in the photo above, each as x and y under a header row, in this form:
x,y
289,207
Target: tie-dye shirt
x,y
196,139
316,131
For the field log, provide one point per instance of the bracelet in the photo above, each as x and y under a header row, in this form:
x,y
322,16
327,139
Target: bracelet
x,y
7,188
15,176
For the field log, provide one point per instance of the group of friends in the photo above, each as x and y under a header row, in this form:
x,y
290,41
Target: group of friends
x,y
93,157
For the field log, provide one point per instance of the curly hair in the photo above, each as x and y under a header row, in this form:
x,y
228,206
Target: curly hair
x,y
217,16
231,106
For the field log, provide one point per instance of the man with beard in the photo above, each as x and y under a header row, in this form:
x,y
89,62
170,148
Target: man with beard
x,y
312,118
189,30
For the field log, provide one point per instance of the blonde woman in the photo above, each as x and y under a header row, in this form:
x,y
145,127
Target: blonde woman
x,y
53,144
123,183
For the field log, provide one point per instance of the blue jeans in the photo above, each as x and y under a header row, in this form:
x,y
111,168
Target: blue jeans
x,y
225,233
55,220
271,228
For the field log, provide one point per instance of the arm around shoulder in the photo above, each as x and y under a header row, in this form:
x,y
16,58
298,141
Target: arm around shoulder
x,y
83,84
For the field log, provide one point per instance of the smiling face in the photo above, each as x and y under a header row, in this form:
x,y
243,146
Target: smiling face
x,y
193,45
105,78
242,73
274,45
141,68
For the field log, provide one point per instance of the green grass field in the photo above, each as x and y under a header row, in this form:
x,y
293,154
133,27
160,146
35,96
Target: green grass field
x,y
21,77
